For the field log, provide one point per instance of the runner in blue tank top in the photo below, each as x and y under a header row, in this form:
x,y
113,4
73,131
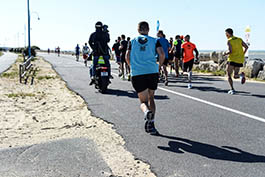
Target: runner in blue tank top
x,y
141,56
166,47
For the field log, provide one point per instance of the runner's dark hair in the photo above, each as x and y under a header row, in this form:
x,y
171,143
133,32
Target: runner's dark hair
x,y
160,32
143,26
229,31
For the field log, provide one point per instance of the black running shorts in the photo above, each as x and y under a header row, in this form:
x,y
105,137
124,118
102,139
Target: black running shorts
x,y
123,58
170,56
143,82
177,55
235,64
188,66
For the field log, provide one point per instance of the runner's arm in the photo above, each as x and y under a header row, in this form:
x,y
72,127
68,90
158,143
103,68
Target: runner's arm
x,y
127,57
160,53
169,47
229,49
172,49
197,53
182,52
245,47
121,47
88,50
91,41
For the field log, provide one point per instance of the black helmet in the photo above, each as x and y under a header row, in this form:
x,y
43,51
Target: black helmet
x,y
99,25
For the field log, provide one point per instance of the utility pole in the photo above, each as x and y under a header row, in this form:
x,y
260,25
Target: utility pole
x,y
29,48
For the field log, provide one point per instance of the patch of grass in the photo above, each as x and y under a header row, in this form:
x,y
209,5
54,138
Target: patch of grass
x,y
20,59
45,77
10,75
22,95
1,53
219,73
34,59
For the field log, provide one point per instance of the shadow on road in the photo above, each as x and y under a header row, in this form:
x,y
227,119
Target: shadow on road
x,y
259,96
197,78
127,93
239,93
181,145
132,94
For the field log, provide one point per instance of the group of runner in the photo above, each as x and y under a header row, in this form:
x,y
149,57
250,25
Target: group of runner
x,y
147,56
178,54
85,52
120,48
144,58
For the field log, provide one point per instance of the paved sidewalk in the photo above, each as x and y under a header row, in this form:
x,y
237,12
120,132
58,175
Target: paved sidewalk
x,y
70,157
7,60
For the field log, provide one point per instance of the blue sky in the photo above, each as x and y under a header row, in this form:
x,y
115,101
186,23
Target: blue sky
x,y
65,23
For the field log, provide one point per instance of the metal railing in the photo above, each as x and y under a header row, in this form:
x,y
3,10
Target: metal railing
x,y
25,69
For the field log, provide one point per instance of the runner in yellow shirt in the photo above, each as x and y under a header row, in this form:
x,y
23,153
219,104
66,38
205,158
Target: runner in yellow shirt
x,y
236,58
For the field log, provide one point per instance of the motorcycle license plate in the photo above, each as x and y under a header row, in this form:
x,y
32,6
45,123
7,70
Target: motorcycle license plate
x,y
104,73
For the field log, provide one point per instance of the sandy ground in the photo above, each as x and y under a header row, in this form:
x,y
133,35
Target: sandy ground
x,y
49,111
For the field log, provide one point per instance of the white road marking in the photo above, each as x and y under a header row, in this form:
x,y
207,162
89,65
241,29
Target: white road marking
x,y
215,105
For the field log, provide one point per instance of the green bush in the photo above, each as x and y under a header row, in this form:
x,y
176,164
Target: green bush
x,y
35,47
33,52
26,50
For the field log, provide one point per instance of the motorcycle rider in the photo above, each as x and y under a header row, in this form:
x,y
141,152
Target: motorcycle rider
x,y
98,42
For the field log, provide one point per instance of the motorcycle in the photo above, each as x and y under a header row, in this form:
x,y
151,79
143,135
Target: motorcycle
x,y
102,78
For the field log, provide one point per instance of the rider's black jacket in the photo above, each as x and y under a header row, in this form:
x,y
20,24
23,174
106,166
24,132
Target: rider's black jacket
x,y
98,41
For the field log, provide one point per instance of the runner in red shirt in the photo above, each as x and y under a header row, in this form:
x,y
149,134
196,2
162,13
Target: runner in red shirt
x,y
188,50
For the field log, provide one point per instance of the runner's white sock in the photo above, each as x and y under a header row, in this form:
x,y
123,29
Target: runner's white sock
x,y
146,111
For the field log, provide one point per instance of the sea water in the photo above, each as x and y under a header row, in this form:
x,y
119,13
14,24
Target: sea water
x,y
257,54
252,53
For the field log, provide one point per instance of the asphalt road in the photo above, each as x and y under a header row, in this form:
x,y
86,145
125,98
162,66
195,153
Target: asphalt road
x,y
204,131
7,60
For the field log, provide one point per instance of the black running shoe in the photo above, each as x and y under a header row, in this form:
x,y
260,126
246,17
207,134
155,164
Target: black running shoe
x,y
92,82
150,128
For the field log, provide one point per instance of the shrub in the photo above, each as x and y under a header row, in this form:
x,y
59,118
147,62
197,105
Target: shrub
x,y
35,47
33,52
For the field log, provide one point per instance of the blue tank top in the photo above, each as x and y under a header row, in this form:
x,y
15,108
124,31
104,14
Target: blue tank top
x,y
165,45
143,56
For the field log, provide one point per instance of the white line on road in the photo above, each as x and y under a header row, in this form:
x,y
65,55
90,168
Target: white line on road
x,y
212,104
215,105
